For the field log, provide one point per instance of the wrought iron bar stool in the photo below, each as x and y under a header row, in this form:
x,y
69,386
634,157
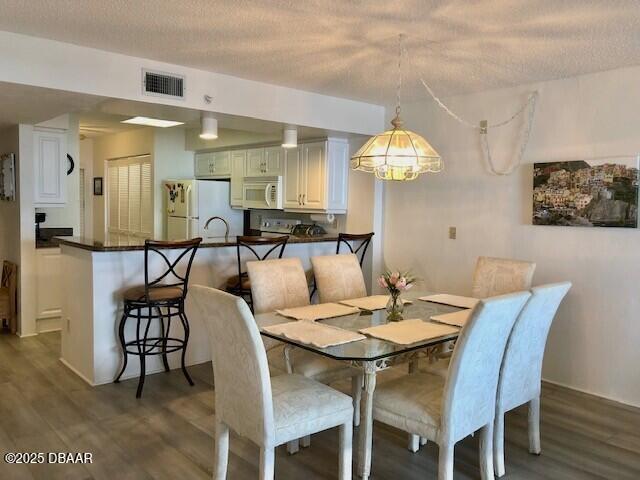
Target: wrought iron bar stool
x,y
146,302
240,284
360,251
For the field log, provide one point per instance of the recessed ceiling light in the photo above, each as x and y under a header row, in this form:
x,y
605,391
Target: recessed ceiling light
x,y
152,122
209,126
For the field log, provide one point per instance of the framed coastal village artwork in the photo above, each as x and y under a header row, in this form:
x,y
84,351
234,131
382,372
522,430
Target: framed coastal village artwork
x,y
587,193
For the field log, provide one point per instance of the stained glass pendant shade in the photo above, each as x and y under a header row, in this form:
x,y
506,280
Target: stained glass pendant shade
x,y
397,154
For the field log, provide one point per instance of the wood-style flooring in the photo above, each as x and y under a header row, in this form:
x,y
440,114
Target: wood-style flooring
x,y
167,434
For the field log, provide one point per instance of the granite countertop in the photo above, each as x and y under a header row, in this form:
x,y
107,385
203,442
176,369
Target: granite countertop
x,y
49,237
125,243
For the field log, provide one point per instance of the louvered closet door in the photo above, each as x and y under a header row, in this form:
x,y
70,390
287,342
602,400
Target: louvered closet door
x,y
130,193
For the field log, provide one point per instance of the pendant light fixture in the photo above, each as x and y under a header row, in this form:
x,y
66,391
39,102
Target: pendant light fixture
x,y
290,136
397,154
209,126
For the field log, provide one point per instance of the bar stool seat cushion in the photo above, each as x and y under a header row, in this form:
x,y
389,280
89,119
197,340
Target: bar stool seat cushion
x,y
137,294
302,406
232,282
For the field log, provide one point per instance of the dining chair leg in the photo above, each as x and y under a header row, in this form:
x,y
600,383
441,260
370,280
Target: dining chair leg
x,y
498,444
267,463
221,457
305,442
356,394
414,443
534,426
445,462
346,451
486,452
293,447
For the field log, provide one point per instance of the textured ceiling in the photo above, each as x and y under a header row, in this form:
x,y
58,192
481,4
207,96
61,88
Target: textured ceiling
x,y
348,48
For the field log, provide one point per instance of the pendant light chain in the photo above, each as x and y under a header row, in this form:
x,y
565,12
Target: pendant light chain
x,y
399,87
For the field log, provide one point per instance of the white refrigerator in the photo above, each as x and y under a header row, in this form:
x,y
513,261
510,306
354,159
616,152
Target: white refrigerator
x,y
190,203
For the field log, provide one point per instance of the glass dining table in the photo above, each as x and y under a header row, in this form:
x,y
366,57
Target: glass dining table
x,y
371,355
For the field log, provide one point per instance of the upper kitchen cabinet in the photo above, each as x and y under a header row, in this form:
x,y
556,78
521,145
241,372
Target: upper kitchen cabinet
x,y
238,160
316,177
265,162
50,168
213,165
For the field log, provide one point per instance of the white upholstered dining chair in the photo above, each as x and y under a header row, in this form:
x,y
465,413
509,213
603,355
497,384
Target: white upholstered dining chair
x,y
521,371
338,277
281,283
497,276
445,410
267,411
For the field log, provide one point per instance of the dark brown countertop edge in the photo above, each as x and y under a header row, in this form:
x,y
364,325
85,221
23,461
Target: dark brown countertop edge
x,y
96,247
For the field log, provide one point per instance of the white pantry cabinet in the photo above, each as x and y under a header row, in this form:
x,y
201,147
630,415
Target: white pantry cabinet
x,y
49,283
238,159
50,168
213,165
316,177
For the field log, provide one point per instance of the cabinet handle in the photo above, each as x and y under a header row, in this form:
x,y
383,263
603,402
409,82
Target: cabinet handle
x,y
303,198
299,199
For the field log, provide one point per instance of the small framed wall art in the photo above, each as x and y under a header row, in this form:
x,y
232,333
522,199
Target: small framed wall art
x,y
97,186
7,177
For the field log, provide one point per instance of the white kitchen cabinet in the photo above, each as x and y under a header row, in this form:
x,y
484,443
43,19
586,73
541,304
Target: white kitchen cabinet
x,y
48,283
255,162
213,165
316,177
50,168
265,162
238,159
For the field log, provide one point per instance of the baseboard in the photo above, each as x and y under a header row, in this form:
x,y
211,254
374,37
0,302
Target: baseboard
x,y
74,370
599,396
159,369
51,324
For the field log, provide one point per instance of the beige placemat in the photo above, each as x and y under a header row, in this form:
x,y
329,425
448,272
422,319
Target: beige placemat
x,y
318,312
371,303
316,334
453,300
407,332
457,319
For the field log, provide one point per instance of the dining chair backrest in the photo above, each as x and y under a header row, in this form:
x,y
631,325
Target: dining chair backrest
x,y
338,277
241,373
360,250
277,284
497,276
248,244
470,391
521,369
174,272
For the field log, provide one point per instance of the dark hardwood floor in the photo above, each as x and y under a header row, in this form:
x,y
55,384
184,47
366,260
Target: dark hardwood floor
x,y
168,433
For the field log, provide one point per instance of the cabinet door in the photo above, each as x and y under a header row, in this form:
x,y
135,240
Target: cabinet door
x,y
314,180
48,283
273,160
255,163
222,164
204,164
50,157
292,177
238,159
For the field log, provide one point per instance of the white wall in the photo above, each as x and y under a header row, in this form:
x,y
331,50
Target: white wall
x,y
170,160
593,345
10,211
86,162
109,147
63,66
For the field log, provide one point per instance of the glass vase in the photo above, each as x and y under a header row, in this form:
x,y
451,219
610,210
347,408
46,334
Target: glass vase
x,y
395,306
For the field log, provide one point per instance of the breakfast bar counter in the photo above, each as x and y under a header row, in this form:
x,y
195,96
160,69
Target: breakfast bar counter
x,y
95,275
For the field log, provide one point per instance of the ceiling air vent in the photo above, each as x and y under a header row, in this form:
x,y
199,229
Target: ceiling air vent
x,y
162,84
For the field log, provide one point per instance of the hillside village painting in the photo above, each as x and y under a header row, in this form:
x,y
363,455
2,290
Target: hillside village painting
x,y
586,193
